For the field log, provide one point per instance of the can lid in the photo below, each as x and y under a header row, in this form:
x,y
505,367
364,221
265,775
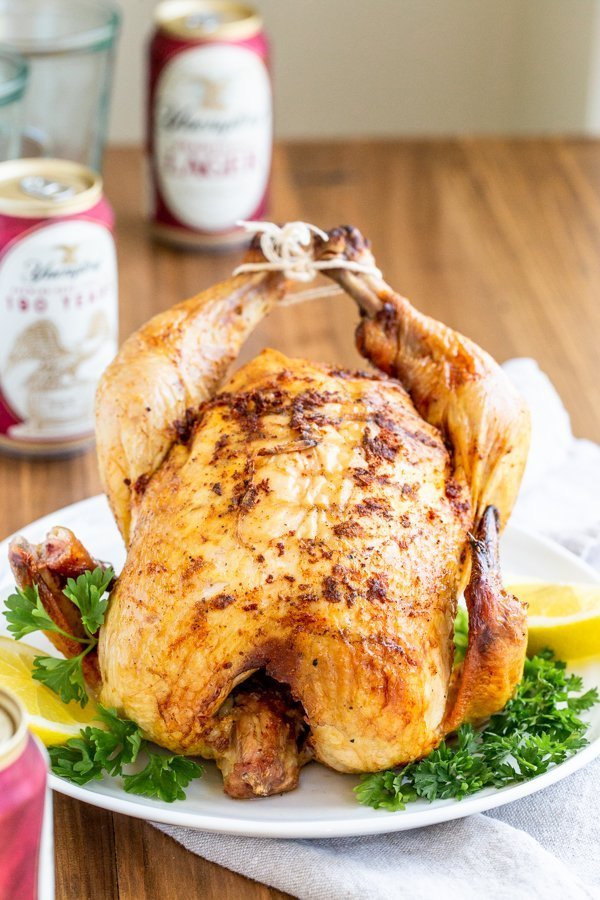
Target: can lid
x,y
46,188
13,728
207,20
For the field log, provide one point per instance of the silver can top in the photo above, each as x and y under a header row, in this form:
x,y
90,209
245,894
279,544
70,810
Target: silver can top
x,y
47,188
13,728
207,20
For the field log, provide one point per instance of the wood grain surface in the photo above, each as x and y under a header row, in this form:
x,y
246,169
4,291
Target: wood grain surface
x,y
499,238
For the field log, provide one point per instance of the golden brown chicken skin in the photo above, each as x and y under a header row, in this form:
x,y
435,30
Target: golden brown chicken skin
x,y
312,527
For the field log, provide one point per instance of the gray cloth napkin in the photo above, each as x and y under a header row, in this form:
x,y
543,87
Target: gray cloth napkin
x,y
545,846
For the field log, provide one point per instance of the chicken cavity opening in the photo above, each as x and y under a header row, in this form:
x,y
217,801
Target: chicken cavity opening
x,y
267,743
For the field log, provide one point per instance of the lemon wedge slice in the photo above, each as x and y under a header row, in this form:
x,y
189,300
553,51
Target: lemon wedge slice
x,y
563,617
53,721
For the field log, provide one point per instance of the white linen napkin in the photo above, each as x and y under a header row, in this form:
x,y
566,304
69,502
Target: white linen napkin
x,y
545,846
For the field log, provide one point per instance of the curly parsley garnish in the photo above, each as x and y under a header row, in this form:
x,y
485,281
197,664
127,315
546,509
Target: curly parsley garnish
x,y
25,614
117,744
164,777
538,728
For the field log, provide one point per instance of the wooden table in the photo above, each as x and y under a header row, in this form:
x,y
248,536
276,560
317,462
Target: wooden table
x,y
499,238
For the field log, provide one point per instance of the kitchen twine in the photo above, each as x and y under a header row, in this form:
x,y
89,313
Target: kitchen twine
x,y
287,249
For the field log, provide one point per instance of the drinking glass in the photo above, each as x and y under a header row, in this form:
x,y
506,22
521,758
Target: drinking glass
x,y
69,45
13,78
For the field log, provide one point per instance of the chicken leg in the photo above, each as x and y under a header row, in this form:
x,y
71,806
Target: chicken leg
x,y
172,364
457,387
454,384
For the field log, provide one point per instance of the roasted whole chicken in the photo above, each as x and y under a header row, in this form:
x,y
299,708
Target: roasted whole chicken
x,y
298,534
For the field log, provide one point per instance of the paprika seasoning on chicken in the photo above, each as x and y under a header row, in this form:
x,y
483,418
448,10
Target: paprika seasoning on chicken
x,y
209,122
58,304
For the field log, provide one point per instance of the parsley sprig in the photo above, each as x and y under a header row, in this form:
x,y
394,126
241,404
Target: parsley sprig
x,y
117,744
164,777
25,614
461,634
538,728
88,593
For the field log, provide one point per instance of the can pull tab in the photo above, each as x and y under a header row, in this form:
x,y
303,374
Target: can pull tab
x,y
207,22
46,189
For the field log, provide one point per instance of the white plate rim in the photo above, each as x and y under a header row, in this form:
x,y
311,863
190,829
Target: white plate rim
x,y
381,821
387,822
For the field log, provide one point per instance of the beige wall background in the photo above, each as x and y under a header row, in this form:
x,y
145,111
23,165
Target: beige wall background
x,y
407,67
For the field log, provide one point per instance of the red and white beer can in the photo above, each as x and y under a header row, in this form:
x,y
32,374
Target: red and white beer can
x,y
58,304
22,798
210,131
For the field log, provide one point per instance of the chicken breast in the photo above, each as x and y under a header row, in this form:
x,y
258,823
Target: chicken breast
x,y
310,526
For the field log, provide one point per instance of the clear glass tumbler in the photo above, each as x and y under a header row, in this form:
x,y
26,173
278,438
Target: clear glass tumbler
x,y
69,45
13,79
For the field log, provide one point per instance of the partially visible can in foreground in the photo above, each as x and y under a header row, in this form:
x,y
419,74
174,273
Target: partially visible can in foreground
x,y
22,795
210,132
58,304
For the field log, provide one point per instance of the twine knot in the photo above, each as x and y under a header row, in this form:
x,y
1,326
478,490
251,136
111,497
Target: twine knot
x,y
288,249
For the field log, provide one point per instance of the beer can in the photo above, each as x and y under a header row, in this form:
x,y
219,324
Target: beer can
x,y
210,132
23,774
58,304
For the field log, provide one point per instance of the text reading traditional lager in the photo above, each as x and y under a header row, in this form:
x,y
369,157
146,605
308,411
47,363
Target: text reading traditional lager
x,y
210,122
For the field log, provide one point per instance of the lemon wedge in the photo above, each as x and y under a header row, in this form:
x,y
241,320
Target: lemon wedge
x,y
563,617
53,721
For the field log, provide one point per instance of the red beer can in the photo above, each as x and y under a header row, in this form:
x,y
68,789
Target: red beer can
x,y
58,304
210,132
22,797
